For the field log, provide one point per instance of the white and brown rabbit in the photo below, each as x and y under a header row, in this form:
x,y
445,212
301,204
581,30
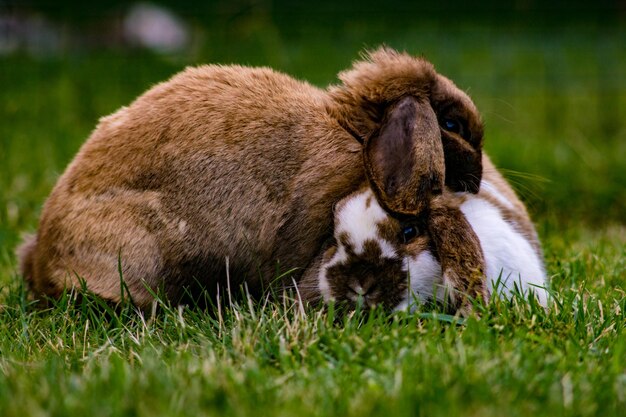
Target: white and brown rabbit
x,y
394,262
246,164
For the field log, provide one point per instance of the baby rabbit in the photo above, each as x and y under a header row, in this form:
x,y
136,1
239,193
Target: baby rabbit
x,y
246,164
392,262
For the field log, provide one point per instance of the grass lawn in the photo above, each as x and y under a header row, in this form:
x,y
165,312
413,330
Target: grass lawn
x,y
554,103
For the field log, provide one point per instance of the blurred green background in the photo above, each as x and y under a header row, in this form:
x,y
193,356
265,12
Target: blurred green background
x,y
549,79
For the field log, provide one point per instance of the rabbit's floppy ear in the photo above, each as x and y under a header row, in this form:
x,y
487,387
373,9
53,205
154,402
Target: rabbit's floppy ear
x,y
460,254
404,158
386,76
463,146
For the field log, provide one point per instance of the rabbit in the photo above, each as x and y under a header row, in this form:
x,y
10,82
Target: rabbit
x,y
392,262
231,173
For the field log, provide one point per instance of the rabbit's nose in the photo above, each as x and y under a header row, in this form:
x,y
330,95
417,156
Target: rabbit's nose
x,y
362,288
358,289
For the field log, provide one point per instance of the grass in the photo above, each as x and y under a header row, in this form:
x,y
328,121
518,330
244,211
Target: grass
x,y
266,359
553,102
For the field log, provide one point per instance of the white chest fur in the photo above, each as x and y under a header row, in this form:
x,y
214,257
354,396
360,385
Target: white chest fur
x,y
510,259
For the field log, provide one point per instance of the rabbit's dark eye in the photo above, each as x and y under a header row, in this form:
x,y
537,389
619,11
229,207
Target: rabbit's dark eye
x,y
456,126
452,125
409,233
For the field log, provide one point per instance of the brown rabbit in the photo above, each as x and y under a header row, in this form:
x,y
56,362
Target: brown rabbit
x,y
245,164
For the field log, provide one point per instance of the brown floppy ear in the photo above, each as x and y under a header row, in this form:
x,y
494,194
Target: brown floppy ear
x,y
404,158
464,168
462,146
460,254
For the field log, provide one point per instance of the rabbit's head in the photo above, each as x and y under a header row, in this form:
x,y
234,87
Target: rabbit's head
x,y
418,129
373,255
383,260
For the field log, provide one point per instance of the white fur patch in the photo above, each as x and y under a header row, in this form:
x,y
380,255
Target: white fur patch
x,y
424,275
509,257
359,222
340,256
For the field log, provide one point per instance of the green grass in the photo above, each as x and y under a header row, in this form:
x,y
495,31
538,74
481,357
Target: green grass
x,y
554,103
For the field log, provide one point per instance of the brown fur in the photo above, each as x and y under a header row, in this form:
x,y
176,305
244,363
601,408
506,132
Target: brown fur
x,y
459,252
462,153
224,162
404,159
380,281
25,255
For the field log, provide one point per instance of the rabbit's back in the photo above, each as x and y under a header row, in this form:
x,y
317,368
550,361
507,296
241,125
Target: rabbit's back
x,y
218,162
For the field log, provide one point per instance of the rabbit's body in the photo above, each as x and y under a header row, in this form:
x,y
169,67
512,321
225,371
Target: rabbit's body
x,y
172,199
245,164
370,260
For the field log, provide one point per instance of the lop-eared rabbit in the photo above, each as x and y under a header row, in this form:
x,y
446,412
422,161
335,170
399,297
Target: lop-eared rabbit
x,y
245,164
395,262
